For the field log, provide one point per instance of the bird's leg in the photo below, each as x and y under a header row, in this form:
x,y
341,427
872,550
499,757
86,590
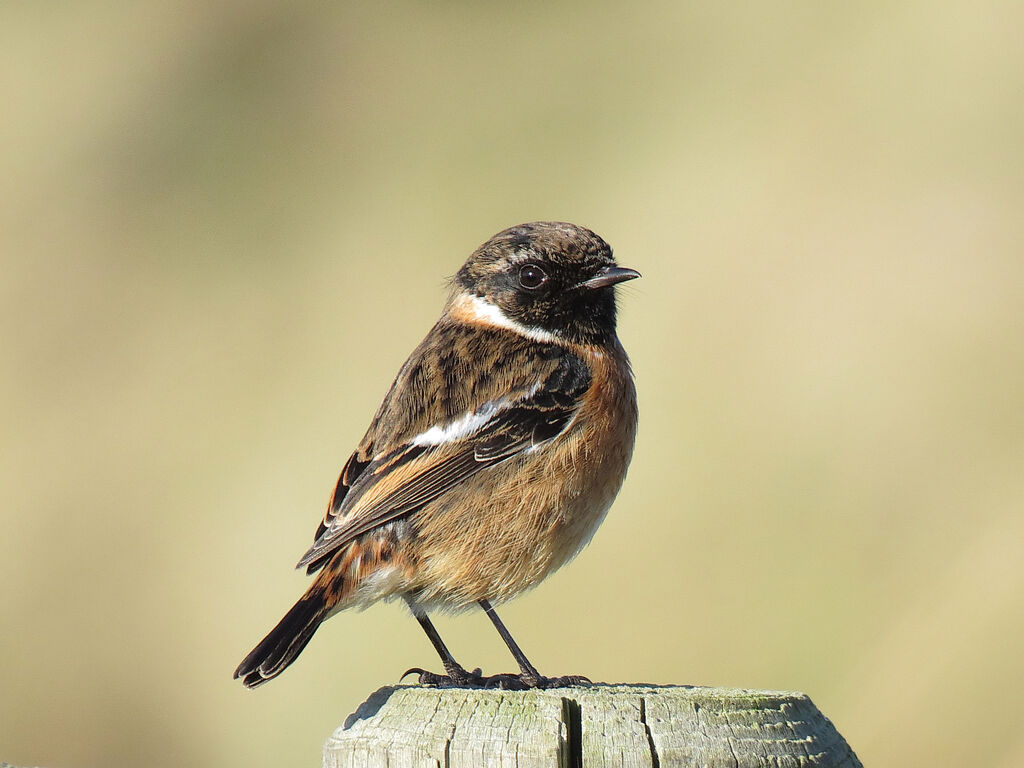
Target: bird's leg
x,y
529,677
457,676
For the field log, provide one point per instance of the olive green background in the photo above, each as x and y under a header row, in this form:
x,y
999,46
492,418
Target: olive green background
x,y
223,225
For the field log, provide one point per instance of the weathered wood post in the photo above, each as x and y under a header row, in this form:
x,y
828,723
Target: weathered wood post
x,y
586,727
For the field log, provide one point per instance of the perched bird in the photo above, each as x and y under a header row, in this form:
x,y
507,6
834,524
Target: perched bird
x,y
493,458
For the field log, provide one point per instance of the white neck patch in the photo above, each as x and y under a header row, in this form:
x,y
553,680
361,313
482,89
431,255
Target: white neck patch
x,y
483,311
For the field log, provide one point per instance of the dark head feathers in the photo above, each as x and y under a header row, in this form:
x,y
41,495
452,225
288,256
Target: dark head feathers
x,y
548,275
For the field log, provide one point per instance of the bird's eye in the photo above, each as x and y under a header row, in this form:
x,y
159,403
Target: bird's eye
x,y
531,276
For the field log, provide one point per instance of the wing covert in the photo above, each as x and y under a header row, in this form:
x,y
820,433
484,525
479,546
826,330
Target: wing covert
x,y
397,483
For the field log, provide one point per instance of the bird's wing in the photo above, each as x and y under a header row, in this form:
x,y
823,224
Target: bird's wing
x,y
375,490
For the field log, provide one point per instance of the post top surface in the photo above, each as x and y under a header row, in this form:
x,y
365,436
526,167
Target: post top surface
x,y
602,724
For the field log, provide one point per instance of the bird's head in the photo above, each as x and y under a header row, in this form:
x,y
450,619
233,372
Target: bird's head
x,y
546,277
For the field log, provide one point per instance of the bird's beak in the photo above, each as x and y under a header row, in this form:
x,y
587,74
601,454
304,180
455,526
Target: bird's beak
x,y
610,276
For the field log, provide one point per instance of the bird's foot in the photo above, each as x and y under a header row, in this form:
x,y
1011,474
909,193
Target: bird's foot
x,y
526,680
565,681
460,678
457,677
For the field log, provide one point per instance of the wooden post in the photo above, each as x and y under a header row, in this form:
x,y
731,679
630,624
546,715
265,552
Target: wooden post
x,y
638,726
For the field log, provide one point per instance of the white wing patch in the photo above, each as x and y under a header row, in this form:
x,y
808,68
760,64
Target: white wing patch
x,y
462,427
470,423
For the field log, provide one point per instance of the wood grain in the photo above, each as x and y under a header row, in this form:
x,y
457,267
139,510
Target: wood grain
x,y
634,726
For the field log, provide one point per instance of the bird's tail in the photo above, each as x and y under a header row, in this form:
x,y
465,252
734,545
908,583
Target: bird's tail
x,y
285,641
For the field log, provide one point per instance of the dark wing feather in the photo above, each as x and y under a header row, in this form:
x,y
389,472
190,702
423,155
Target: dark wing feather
x,y
395,485
349,474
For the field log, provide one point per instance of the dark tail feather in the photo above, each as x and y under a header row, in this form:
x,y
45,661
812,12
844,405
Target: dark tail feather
x,y
284,643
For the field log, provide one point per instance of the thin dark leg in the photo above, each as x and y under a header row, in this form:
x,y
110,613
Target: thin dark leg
x,y
530,674
456,674
435,639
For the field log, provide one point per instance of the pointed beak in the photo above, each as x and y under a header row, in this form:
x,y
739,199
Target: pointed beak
x,y
610,276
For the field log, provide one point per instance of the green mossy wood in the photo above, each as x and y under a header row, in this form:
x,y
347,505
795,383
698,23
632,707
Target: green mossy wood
x,y
629,726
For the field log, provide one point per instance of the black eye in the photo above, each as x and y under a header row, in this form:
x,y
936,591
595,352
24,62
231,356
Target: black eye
x,y
531,276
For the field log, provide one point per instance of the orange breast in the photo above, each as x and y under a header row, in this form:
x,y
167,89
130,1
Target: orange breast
x,y
506,529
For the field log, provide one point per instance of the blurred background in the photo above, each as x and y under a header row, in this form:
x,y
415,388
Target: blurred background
x,y
223,226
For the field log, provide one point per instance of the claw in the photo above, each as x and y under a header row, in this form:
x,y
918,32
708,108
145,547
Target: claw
x,y
418,670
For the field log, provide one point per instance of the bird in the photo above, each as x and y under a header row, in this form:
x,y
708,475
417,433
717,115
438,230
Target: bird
x,y
492,460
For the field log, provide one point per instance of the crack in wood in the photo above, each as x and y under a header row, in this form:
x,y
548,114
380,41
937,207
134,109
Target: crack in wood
x,y
655,760
572,717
